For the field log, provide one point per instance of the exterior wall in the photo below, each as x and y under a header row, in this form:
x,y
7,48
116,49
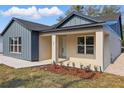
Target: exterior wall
x,y
72,47
107,59
45,48
115,44
73,56
112,46
100,48
76,21
1,44
16,30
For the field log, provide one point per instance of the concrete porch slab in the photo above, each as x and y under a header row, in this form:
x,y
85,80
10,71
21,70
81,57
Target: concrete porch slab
x,y
18,63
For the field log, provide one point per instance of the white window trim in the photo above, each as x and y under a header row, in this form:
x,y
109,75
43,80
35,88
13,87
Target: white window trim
x,y
86,45
13,46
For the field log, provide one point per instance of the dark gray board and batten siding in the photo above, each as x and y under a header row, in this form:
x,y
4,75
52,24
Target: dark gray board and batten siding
x,y
34,46
28,40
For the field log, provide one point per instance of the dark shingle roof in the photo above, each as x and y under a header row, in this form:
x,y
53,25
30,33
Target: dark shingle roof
x,y
110,17
32,25
45,28
107,17
28,25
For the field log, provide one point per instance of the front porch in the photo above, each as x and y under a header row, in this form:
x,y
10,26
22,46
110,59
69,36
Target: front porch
x,y
69,46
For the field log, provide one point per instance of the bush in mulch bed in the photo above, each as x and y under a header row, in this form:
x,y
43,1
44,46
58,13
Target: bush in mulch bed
x,y
82,73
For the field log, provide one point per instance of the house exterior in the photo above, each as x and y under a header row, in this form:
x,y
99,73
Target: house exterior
x,y
77,38
1,44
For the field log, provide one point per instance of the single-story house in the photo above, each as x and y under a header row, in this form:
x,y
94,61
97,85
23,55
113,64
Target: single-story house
x,y
78,38
1,44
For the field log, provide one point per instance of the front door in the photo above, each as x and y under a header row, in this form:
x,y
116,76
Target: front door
x,y
63,49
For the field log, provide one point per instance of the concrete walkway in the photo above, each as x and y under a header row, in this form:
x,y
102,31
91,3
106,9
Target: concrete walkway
x,y
18,63
117,67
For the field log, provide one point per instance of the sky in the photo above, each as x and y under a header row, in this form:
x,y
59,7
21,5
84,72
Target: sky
x,y
41,13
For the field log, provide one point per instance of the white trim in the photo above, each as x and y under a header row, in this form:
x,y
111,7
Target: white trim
x,y
16,52
85,45
13,45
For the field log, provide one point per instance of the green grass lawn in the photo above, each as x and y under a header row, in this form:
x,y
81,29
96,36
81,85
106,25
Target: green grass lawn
x,y
34,77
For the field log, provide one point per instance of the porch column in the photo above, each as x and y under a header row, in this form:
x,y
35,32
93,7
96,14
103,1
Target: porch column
x,y
54,48
100,48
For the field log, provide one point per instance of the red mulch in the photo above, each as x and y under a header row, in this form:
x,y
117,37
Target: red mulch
x,y
82,73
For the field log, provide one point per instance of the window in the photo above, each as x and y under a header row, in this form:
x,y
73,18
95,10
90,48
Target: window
x,y
80,44
86,45
89,45
15,44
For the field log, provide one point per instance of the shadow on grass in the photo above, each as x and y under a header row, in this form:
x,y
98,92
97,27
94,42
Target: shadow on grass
x,y
13,83
70,83
18,82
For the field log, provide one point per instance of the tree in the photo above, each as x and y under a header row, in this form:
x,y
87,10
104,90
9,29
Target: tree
x,y
60,18
78,8
122,42
109,9
92,10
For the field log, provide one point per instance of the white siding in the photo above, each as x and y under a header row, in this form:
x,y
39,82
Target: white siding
x,y
115,44
112,46
107,59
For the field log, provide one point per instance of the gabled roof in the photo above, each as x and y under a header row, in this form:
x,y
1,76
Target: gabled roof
x,y
77,14
110,17
95,21
28,25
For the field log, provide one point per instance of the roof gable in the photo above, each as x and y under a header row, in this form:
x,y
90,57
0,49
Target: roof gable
x,y
75,18
27,24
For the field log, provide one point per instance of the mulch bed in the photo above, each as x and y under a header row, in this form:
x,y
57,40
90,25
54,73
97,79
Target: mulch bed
x,y
82,73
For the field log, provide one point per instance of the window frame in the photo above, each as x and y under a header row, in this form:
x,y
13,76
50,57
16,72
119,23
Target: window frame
x,y
14,45
85,45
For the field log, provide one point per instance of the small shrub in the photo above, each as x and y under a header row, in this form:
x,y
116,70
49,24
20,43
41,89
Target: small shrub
x,y
88,68
61,64
54,63
67,64
100,68
95,68
81,66
73,64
